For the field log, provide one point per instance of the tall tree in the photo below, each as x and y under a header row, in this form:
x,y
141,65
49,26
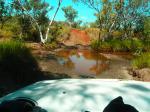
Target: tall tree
x,y
101,10
71,14
36,12
5,12
130,15
124,15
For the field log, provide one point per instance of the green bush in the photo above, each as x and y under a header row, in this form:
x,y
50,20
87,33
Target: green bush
x,y
11,29
17,62
16,30
142,61
51,45
116,45
132,45
127,44
146,43
12,48
137,44
105,46
5,34
95,44
59,32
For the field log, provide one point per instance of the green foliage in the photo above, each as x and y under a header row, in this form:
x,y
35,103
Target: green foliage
x,y
115,44
5,34
5,12
147,26
12,27
20,29
101,45
51,45
15,29
17,62
132,45
120,15
137,44
55,31
146,43
12,48
143,61
95,44
127,44
32,18
59,31
70,13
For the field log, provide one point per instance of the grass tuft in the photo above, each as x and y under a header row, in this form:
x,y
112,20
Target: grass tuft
x,y
17,62
142,61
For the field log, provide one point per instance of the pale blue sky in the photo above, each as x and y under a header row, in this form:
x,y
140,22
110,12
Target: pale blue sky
x,y
85,14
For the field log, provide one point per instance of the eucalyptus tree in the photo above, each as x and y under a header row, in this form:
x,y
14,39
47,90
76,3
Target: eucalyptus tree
x,y
37,12
70,14
126,15
5,12
103,10
130,15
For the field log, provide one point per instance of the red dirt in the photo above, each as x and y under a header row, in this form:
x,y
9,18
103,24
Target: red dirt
x,y
78,37
82,35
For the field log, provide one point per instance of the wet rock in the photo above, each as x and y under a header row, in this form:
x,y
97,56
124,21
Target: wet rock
x,y
144,74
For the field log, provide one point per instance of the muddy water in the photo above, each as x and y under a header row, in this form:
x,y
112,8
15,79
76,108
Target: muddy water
x,y
103,65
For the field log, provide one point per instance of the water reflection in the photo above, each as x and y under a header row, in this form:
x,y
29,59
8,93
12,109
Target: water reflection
x,y
83,61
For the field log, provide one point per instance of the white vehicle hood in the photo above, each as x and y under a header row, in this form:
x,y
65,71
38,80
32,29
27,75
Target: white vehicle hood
x,y
80,95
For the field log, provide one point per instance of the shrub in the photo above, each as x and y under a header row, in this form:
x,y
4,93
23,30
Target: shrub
x,y
51,45
142,61
116,34
146,43
95,44
17,62
127,44
12,48
116,44
59,32
11,27
137,44
105,46
5,34
132,45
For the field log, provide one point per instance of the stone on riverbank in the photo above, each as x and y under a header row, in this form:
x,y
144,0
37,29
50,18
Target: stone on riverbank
x,y
141,74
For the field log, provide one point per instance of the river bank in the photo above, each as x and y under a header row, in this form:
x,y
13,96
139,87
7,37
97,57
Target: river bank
x,y
72,62
116,66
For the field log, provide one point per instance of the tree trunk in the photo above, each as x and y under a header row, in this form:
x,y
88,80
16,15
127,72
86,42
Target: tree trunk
x,y
42,39
50,23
